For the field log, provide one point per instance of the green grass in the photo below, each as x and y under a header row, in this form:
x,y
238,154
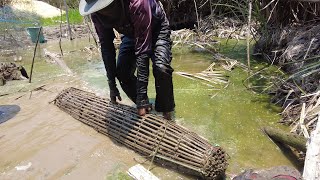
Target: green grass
x,y
74,18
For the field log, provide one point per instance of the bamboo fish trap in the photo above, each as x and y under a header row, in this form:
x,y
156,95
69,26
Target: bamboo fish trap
x,y
152,136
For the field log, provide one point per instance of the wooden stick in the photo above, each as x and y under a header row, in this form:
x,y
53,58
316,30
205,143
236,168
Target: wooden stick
x,y
60,29
90,31
248,37
67,16
195,6
34,54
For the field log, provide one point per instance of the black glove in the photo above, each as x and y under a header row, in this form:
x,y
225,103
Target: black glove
x,y
114,92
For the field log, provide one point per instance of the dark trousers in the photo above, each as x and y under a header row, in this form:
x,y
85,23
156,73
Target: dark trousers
x,y
162,71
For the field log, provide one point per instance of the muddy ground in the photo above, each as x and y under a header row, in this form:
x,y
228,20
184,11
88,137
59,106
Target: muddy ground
x,y
56,145
50,144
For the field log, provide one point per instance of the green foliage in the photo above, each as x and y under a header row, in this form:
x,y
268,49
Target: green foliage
x,y
74,18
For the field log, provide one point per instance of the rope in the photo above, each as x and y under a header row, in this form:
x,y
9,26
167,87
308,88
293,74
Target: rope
x,y
158,146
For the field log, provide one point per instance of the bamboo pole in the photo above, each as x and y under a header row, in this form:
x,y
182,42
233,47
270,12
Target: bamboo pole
x,y
195,6
60,29
67,16
248,36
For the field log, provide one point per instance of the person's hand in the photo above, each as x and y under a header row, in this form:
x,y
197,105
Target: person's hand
x,y
144,110
114,92
114,95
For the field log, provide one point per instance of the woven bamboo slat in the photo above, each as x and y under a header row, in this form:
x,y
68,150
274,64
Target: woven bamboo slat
x,y
150,135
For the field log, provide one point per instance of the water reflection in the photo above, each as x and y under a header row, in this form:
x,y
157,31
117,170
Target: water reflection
x,y
7,112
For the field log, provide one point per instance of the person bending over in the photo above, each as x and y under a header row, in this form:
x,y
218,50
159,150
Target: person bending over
x,y
145,35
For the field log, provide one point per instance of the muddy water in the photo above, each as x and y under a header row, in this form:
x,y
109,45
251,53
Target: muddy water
x,y
231,118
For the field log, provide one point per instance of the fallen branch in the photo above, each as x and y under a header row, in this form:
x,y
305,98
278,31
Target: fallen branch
x,y
213,78
208,75
293,140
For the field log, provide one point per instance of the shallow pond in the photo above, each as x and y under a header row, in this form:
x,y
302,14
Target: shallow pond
x,y
231,118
